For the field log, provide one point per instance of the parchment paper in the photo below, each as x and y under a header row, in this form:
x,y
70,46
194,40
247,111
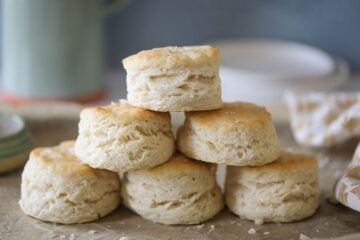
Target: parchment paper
x,y
329,221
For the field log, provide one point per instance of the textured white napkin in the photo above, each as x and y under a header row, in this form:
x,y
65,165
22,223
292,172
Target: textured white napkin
x,y
324,119
347,189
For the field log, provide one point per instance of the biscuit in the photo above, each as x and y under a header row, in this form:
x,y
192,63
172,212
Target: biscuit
x,y
121,137
283,191
174,79
180,191
239,134
57,187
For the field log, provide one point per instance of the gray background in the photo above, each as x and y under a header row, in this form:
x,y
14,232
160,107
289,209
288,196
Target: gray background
x,y
331,25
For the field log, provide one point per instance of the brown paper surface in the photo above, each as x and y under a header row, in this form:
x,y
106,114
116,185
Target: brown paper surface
x,y
329,221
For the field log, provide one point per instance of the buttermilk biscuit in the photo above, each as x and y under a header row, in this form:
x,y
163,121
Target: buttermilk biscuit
x,y
181,191
174,79
238,134
283,191
57,187
121,137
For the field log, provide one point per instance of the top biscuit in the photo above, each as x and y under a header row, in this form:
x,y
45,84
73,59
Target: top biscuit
x,y
238,134
172,57
179,164
61,159
123,113
231,115
286,163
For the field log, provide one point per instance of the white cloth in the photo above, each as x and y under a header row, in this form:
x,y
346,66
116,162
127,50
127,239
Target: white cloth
x,y
347,189
324,119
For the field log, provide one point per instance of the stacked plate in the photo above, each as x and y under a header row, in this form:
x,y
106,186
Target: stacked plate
x,y
15,142
261,71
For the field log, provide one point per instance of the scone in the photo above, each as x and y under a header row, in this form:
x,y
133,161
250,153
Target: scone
x,y
57,187
181,191
121,137
283,191
239,134
174,79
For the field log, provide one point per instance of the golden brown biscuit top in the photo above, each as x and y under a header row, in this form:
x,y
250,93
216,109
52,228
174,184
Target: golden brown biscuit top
x,y
172,57
231,115
179,164
123,112
289,161
61,159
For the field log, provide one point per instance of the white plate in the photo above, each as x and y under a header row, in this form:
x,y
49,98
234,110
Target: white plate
x,y
261,70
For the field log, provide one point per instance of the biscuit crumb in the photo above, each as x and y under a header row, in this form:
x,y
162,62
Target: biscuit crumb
x,y
266,233
200,226
212,228
252,231
304,237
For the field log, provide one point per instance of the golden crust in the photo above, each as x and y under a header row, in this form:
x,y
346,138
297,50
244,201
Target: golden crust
x,y
178,163
124,112
231,115
168,57
61,159
287,162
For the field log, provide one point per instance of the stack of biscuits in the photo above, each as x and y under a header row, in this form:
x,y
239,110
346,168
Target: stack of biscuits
x,y
165,180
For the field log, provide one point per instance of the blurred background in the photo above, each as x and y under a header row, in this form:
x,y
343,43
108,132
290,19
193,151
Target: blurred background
x,y
72,50
330,25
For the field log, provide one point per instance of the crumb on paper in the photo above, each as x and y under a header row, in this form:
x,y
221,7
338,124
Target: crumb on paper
x,y
323,161
266,233
331,199
200,226
304,237
212,228
92,232
338,173
123,238
252,231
